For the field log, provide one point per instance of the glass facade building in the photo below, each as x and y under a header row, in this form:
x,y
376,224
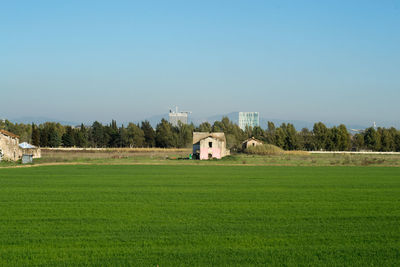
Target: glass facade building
x,y
250,119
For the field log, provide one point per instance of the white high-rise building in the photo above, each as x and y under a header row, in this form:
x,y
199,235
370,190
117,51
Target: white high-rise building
x,y
250,119
175,117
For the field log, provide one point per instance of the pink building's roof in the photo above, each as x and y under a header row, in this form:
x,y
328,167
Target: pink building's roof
x,y
198,136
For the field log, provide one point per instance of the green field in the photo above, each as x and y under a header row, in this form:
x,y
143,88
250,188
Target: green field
x,y
173,157
199,215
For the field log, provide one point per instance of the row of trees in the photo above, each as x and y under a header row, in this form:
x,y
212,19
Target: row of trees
x,y
52,134
167,136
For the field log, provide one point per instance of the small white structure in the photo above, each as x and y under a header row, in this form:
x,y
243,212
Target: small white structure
x,y
25,145
27,159
29,152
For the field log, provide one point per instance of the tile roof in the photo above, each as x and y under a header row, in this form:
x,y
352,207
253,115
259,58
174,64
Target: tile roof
x,y
197,136
4,132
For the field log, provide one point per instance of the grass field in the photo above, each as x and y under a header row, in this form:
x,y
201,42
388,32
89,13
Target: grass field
x,y
173,156
199,215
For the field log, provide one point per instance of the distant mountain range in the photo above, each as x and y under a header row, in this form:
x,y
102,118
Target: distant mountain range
x,y
233,116
40,120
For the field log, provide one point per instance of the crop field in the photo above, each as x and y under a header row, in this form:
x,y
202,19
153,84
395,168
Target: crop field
x,y
154,156
188,215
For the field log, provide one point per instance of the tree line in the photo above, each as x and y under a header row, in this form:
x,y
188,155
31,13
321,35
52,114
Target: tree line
x,y
99,135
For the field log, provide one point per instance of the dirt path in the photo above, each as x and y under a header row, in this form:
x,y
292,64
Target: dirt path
x,y
180,164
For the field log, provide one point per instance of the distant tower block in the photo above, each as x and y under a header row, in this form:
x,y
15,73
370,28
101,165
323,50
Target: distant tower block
x,y
175,117
250,119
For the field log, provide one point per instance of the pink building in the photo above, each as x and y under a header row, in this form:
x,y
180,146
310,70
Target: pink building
x,y
209,146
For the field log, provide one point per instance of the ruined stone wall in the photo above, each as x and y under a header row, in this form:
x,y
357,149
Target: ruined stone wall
x,y
10,148
253,142
36,152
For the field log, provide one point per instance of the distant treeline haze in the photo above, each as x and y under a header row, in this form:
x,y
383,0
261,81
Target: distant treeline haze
x,y
338,138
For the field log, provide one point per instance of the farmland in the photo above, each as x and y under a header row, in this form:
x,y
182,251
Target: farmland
x,y
156,156
189,215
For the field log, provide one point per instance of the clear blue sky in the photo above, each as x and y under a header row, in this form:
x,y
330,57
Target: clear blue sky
x,y
331,61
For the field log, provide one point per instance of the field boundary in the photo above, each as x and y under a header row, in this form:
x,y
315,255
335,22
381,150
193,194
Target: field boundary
x,y
185,164
123,149
150,149
355,152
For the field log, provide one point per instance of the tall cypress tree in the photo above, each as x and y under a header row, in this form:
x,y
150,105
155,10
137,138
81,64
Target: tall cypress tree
x,y
35,135
68,138
149,134
54,138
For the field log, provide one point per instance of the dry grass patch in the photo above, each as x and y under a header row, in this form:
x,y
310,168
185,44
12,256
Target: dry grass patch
x,y
265,149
